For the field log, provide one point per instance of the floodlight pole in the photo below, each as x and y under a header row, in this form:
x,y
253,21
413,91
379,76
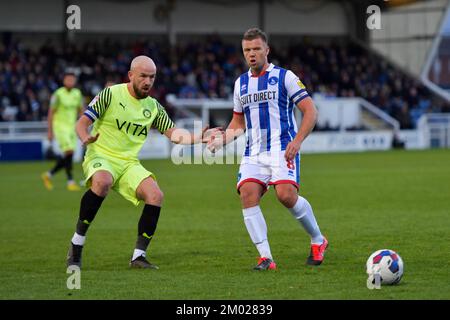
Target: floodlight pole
x,y
262,14
170,5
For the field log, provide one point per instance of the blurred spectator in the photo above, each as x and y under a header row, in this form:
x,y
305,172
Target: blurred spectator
x,y
199,69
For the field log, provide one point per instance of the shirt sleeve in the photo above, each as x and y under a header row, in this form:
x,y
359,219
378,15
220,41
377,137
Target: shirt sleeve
x,y
81,99
237,99
99,104
54,101
295,88
162,121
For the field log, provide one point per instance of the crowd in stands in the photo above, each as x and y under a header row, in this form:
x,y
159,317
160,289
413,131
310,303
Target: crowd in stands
x,y
201,69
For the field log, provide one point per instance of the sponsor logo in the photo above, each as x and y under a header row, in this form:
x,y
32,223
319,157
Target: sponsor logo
x,y
122,105
134,129
97,165
300,84
258,97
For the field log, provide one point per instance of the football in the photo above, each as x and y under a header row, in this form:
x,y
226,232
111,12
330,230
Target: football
x,y
387,264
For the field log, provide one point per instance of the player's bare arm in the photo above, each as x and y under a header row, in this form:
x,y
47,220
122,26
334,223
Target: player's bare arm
x,y
178,136
82,130
81,110
50,114
50,123
234,130
307,107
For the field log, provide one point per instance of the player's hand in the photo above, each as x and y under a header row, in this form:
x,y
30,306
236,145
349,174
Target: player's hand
x,y
291,150
90,139
209,134
216,142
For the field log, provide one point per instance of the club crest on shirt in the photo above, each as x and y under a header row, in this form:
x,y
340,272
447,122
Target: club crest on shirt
x,y
147,113
273,80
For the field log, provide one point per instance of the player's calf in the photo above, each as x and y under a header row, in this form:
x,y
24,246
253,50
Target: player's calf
x,y
90,204
146,229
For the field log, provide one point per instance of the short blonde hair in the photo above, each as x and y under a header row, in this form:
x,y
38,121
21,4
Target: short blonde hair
x,y
255,33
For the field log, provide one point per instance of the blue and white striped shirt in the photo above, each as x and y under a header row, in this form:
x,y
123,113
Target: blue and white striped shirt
x,y
267,102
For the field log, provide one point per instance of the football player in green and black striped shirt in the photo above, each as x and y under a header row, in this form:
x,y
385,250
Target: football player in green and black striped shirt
x,y
122,116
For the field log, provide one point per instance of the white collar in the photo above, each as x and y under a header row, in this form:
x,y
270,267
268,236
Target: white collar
x,y
269,68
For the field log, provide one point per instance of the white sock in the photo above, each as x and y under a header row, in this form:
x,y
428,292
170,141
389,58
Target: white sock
x,y
49,174
257,229
303,212
78,240
138,253
264,249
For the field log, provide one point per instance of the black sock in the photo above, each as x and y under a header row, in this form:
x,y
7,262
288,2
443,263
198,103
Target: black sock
x,y
68,166
90,203
147,226
60,163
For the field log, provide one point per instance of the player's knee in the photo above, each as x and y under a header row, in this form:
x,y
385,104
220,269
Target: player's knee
x,y
249,197
154,197
102,185
159,196
287,198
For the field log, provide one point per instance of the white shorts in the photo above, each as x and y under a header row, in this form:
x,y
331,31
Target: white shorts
x,y
269,168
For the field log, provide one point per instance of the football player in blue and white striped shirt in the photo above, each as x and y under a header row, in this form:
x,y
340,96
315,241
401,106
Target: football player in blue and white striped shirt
x,y
264,101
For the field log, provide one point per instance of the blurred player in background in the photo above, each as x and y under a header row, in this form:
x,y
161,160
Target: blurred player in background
x,y
122,116
264,99
65,106
109,83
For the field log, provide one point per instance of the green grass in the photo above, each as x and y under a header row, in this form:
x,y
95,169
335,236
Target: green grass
x,y
363,202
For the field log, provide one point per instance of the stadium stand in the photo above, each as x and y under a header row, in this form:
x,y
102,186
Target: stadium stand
x,y
204,68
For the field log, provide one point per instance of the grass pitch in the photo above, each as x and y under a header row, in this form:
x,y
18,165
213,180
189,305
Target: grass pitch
x,y
363,202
